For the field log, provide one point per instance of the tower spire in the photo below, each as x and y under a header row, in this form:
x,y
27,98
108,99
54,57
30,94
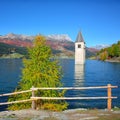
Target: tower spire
x,y
79,37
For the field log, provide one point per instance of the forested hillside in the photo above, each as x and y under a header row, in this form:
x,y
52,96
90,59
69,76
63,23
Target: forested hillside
x,y
6,49
110,52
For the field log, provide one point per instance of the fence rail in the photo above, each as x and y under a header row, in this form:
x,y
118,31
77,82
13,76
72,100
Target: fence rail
x,y
15,93
70,98
34,98
73,88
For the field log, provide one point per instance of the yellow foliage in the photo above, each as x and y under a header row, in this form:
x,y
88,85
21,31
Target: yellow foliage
x,y
39,40
54,106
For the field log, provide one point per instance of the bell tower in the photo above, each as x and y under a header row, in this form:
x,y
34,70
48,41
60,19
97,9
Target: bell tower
x,y
79,49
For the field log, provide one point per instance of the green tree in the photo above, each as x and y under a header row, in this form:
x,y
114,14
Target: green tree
x,y
110,52
40,71
118,42
116,50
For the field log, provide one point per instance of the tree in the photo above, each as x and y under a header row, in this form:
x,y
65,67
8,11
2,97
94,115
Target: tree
x,y
118,42
104,56
40,70
116,50
110,52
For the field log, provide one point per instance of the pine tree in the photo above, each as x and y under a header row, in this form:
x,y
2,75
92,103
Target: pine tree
x,y
40,70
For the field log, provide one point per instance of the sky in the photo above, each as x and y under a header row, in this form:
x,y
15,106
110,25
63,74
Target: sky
x,y
98,20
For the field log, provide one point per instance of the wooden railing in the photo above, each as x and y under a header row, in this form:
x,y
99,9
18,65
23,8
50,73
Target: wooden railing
x,y
33,98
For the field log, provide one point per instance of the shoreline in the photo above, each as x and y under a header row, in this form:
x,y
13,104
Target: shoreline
x,y
115,61
72,114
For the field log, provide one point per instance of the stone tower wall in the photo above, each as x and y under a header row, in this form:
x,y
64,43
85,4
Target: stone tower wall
x,y
79,53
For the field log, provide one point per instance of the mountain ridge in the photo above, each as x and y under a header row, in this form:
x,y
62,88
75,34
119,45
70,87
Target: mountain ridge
x,y
61,45
59,37
100,46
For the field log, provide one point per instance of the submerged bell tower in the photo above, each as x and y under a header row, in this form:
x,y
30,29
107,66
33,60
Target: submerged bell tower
x,y
79,49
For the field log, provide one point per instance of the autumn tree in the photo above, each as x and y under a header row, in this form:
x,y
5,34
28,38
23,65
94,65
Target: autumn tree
x,y
40,70
110,52
103,55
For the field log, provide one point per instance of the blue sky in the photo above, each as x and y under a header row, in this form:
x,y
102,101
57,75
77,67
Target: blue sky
x,y
99,20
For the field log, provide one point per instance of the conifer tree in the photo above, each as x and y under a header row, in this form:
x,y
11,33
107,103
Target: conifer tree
x,y
40,70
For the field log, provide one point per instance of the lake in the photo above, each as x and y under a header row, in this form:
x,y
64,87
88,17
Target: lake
x,y
93,73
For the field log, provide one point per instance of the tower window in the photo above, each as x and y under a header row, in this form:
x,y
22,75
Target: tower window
x,y
79,46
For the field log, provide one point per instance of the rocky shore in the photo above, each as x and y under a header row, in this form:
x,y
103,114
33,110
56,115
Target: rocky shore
x,y
75,114
113,60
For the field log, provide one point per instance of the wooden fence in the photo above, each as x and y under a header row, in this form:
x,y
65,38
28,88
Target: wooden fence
x,y
33,98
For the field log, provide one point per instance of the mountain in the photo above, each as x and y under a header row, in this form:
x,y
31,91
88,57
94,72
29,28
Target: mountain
x,y
17,40
61,45
57,37
93,50
17,36
101,46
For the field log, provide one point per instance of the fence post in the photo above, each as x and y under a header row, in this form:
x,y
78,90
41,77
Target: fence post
x,y
33,101
109,104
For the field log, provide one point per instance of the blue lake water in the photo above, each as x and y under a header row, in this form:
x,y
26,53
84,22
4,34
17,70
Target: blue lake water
x,y
93,73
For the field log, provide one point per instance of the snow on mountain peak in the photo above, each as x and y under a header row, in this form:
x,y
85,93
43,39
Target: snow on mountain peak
x,y
59,37
101,46
56,37
17,36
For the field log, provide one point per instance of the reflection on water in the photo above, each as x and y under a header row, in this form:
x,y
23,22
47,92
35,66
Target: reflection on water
x,y
10,70
94,73
79,75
